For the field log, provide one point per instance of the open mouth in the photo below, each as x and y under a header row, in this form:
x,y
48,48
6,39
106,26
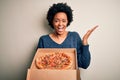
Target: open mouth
x,y
60,28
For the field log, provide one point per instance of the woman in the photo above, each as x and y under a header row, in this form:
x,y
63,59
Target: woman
x,y
59,17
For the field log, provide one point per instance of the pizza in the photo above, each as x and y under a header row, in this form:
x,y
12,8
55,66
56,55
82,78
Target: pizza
x,y
54,61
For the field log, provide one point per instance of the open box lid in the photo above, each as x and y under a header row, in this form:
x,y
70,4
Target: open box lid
x,y
44,51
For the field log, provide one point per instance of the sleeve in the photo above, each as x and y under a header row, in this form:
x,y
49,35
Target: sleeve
x,y
40,43
83,54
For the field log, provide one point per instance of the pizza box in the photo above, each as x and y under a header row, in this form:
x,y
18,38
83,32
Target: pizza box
x,y
54,74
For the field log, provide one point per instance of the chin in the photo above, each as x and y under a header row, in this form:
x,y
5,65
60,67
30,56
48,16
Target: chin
x,y
60,32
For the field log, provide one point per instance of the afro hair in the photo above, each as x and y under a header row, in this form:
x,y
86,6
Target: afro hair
x,y
59,7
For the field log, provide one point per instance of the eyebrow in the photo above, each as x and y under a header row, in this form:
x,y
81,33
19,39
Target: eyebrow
x,y
58,19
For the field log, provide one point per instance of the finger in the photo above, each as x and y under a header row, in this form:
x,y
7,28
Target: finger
x,y
90,31
87,34
94,28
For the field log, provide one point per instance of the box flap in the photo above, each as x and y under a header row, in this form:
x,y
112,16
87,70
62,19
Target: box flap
x,y
35,74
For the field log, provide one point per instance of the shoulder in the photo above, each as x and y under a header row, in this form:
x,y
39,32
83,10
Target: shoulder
x,y
44,37
74,33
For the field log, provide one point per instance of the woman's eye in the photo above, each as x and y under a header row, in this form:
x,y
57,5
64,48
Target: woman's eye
x,y
64,21
55,20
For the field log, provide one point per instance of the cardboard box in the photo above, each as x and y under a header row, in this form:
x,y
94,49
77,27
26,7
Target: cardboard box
x,y
46,74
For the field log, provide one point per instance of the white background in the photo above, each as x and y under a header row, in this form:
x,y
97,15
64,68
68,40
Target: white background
x,y
22,22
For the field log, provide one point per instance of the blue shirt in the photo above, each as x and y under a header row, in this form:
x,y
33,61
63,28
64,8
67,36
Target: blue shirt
x,y
72,40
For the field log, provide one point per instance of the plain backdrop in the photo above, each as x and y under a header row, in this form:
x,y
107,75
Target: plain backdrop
x,y
22,22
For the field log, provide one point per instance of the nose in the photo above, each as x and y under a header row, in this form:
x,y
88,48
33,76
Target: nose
x,y
60,23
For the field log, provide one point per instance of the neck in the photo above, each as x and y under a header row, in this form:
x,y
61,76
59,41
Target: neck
x,y
60,35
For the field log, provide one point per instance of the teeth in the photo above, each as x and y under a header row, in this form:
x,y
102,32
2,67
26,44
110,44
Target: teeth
x,y
60,28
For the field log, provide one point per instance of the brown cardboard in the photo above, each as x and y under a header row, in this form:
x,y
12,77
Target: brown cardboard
x,y
52,74
45,74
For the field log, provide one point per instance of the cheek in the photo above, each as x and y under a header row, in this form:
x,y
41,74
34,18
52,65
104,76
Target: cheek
x,y
66,24
55,25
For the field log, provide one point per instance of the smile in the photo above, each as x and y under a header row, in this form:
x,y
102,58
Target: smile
x,y
60,28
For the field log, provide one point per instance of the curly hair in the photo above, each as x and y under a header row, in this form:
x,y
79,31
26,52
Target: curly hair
x,y
59,7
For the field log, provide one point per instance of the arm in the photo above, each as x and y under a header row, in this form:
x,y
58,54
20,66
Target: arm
x,y
83,53
84,56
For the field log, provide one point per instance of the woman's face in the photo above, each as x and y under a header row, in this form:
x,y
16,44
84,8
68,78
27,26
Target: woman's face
x,y
60,22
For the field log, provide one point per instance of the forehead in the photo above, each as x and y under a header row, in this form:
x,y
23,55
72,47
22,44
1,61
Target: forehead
x,y
60,15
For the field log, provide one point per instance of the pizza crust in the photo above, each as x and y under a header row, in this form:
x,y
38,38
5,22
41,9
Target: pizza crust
x,y
54,61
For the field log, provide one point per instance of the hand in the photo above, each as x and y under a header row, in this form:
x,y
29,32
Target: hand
x,y
86,36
